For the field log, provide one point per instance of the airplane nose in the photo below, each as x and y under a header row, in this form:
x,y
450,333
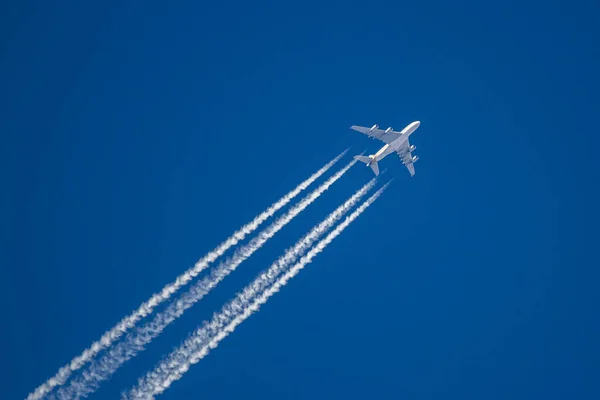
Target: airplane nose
x,y
417,123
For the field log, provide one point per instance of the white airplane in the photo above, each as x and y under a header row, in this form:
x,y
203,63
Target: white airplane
x,y
394,142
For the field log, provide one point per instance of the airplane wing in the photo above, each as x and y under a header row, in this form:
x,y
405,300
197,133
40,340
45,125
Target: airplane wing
x,y
406,157
377,133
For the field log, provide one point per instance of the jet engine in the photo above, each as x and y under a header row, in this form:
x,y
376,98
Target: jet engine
x,y
415,158
412,148
374,127
388,130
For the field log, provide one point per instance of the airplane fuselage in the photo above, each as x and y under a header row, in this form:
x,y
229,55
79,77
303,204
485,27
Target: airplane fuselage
x,y
395,145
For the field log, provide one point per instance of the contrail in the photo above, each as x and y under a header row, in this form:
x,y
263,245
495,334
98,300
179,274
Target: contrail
x,y
147,307
234,313
102,369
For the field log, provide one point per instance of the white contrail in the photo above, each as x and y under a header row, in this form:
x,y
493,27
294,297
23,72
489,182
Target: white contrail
x,y
102,369
147,307
234,313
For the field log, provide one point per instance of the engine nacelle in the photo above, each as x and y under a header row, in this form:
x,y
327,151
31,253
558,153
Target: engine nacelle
x,y
374,127
415,158
388,130
412,148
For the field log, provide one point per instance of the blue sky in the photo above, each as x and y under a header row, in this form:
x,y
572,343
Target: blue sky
x,y
138,135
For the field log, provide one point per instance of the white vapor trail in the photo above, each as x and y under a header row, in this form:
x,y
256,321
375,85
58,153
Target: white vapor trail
x,y
146,308
199,344
103,368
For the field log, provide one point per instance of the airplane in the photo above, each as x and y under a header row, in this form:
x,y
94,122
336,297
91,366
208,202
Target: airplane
x,y
394,142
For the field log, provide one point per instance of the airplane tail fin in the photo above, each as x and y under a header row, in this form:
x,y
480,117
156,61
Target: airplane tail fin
x,y
370,161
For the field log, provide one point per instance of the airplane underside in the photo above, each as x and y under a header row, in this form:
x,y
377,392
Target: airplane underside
x,y
395,142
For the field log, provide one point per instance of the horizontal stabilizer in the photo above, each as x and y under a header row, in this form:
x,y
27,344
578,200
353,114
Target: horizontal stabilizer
x,y
370,161
375,167
363,159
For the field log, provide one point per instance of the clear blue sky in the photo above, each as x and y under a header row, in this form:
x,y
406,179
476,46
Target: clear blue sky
x,y
137,135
